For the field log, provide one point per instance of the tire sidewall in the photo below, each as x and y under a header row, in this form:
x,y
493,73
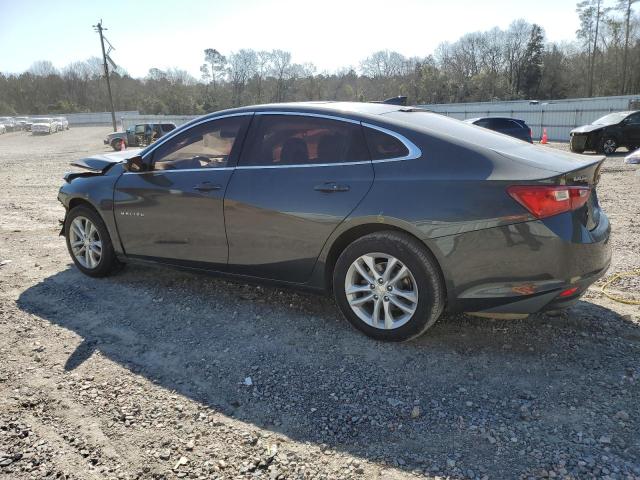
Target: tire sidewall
x,y
426,276
108,259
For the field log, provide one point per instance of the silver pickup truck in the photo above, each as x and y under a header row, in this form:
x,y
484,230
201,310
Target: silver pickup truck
x,y
139,135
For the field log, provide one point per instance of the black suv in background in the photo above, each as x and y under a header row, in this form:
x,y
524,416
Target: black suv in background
x,y
509,126
606,134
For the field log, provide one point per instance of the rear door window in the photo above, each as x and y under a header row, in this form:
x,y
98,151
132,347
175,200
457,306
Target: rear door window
x,y
281,140
383,146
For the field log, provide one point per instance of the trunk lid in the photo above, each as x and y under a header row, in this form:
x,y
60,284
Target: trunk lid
x,y
570,169
589,175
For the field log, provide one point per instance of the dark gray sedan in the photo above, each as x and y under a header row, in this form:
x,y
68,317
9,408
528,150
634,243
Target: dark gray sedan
x,y
401,213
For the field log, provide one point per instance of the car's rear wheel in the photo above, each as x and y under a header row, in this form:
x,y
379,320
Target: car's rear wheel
x,y
89,243
389,286
608,145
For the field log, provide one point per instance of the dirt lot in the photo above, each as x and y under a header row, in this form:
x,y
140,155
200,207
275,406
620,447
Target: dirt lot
x,y
161,374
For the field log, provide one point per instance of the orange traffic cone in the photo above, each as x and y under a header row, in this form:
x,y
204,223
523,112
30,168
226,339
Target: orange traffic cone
x,y
123,146
545,139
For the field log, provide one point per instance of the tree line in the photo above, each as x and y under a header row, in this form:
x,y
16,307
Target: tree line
x,y
515,63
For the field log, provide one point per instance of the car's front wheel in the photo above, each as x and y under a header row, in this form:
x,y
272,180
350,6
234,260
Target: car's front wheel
x,y
573,145
388,285
89,243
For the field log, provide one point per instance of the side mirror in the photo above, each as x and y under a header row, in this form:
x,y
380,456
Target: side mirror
x,y
135,164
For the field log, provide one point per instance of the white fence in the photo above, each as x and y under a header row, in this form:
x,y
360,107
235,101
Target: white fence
x,y
559,117
129,120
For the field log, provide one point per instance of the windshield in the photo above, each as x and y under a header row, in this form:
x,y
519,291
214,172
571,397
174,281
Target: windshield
x,y
42,120
611,119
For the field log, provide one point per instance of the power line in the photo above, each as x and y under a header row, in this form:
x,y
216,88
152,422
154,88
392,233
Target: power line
x,y
99,28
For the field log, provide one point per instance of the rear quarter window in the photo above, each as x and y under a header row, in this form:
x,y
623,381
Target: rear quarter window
x,y
383,146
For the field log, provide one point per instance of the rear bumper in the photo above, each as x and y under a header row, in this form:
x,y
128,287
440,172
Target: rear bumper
x,y
523,268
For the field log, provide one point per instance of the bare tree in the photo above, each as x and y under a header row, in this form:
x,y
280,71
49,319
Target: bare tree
x,y
242,66
217,63
626,7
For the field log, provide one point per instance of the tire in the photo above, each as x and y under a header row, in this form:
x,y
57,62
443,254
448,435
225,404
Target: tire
x,y
573,147
608,145
423,282
107,262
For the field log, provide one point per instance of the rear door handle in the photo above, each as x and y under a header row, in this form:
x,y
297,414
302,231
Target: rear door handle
x,y
331,187
207,187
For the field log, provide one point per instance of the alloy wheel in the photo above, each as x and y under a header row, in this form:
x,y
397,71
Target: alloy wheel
x,y
85,242
609,146
381,291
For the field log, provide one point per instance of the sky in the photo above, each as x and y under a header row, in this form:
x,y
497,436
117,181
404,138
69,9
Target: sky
x,y
332,34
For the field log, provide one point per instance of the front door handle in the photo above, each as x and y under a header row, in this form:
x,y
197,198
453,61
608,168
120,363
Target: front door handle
x,y
207,187
331,187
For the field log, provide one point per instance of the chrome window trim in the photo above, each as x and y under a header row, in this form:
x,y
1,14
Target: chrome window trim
x,y
414,151
308,114
178,131
303,165
180,170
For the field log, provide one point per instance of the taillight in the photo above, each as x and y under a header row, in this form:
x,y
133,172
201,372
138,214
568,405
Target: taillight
x,y
545,201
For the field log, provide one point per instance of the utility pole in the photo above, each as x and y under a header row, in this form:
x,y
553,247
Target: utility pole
x,y
99,29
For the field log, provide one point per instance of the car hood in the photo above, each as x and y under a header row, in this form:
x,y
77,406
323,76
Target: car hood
x,y
102,162
587,128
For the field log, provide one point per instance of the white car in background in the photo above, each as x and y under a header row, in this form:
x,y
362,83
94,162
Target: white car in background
x,y
44,125
63,123
3,129
633,158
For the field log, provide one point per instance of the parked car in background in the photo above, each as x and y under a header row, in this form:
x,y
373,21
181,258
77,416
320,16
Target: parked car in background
x,y
30,122
44,125
608,133
139,135
22,121
633,158
3,129
509,126
9,123
63,123
397,211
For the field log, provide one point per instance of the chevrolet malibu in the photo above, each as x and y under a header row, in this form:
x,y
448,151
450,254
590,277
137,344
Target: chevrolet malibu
x,y
400,213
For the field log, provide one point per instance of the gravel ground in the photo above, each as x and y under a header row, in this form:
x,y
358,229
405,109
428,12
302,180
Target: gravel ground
x,y
158,374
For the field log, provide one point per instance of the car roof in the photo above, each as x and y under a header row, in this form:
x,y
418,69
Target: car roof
x,y
346,109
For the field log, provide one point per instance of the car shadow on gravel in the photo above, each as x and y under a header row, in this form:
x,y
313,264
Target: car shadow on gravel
x,y
472,396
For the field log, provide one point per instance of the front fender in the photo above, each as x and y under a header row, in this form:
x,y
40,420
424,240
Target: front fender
x,y
97,191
